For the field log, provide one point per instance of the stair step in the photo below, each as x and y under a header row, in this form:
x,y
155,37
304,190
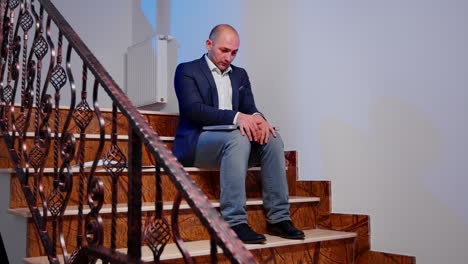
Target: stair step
x,y
191,227
96,136
92,144
202,247
149,207
163,123
206,179
76,169
66,108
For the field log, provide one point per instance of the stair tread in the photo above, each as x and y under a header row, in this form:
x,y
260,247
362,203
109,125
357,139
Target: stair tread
x,y
202,247
144,169
97,136
147,207
143,112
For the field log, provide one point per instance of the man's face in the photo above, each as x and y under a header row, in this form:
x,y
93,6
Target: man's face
x,y
224,49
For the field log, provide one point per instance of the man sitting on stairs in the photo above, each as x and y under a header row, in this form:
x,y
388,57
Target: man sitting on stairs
x,y
211,92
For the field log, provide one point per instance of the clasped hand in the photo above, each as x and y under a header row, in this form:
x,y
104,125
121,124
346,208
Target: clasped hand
x,y
255,127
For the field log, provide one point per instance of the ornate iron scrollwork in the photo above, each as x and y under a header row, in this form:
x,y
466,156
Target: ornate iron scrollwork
x,y
82,115
39,113
114,162
157,232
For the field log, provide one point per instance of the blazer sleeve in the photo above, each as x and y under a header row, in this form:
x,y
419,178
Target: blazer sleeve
x,y
246,98
195,100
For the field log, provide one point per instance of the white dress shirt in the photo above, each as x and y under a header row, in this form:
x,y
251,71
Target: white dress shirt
x,y
223,85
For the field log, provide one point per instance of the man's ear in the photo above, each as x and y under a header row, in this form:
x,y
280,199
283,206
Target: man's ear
x,y
209,44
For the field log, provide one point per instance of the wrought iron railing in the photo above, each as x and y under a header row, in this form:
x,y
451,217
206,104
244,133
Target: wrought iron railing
x,y
35,72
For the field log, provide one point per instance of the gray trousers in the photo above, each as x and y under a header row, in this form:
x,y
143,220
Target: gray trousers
x,y
233,154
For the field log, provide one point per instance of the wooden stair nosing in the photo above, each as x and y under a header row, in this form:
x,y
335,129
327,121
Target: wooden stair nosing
x,y
107,110
202,247
150,206
145,169
97,136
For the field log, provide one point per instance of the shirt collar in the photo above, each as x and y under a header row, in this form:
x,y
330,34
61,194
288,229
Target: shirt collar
x,y
214,68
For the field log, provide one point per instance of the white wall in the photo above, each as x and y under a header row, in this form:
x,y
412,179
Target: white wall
x,y
372,94
13,228
149,18
106,28
187,21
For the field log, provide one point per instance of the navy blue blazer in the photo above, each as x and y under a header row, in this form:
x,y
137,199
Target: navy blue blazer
x,y
198,104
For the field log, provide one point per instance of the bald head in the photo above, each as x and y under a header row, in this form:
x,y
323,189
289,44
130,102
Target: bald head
x,y
222,46
221,29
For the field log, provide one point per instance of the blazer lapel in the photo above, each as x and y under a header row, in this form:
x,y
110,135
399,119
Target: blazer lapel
x,y
209,77
235,90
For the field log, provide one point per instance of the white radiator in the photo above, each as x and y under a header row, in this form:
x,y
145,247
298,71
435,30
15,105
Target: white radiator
x,y
147,71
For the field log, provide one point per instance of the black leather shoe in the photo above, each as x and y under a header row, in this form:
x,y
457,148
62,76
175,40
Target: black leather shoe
x,y
247,235
285,229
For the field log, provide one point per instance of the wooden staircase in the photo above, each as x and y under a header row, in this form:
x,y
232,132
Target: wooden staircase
x,y
330,238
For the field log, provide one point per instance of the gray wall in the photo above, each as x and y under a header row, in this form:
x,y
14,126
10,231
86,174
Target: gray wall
x,y
106,28
372,95
13,228
151,17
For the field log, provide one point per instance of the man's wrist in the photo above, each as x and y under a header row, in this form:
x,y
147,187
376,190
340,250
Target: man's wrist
x,y
260,114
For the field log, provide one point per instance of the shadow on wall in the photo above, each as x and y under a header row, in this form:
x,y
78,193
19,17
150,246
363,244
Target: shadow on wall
x,y
146,24
382,173
3,255
144,20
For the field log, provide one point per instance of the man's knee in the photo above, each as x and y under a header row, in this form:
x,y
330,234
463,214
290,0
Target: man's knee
x,y
275,143
238,142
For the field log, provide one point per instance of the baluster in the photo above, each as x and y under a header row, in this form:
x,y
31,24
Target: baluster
x,y
14,77
7,91
175,230
43,136
44,140
67,152
63,185
22,121
214,250
5,23
134,195
43,113
157,232
95,189
114,163
56,201
93,230
15,69
28,103
38,154
82,116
